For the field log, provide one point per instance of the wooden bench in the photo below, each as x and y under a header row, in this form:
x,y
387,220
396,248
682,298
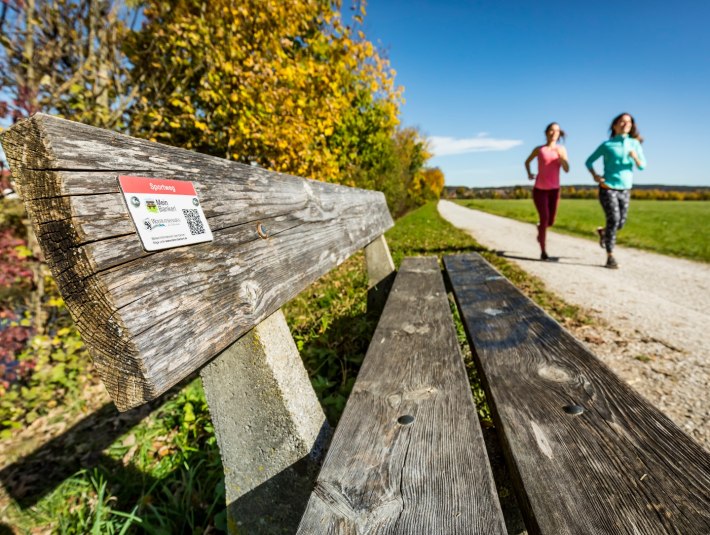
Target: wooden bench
x,y
587,454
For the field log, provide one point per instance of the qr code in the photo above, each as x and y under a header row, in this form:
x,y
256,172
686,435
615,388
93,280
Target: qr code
x,y
193,221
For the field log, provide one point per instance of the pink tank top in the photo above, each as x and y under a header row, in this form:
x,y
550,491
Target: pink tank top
x,y
548,168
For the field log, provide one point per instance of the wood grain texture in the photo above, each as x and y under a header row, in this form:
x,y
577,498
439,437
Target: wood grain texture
x,y
150,319
619,467
431,476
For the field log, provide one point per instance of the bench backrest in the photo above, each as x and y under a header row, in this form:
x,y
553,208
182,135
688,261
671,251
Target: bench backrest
x,y
150,319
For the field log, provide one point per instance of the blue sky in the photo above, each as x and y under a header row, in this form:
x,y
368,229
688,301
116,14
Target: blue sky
x,y
491,75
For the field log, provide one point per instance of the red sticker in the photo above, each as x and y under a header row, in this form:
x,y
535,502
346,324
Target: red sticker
x,y
156,186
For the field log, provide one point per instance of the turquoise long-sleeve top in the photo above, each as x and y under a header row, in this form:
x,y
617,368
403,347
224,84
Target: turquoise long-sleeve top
x,y
618,165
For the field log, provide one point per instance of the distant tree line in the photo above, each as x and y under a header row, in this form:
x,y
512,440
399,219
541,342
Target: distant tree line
x,y
658,193
290,85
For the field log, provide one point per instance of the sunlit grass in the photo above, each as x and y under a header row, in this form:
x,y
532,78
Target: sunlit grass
x,y
679,228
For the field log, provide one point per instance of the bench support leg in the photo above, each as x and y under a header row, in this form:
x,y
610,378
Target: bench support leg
x,y
270,428
380,274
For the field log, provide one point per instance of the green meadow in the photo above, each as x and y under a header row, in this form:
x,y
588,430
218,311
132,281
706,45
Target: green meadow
x,y
678,228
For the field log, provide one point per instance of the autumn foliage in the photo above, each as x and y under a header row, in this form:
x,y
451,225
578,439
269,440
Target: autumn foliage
x,y
65,57
290,85
285,85
293,86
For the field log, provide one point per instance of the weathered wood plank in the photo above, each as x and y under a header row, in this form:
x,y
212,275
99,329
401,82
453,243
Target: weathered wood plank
x,y
150,319
618,467
385,474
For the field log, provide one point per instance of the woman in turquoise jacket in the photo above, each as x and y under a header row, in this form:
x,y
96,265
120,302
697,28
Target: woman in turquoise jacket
x,y
620,152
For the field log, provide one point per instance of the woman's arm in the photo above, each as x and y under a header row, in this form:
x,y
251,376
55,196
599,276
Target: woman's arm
x,y
589,164
638,157
564,162
532,156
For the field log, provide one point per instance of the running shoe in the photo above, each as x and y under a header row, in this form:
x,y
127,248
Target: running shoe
x,y
601,232
544,256
611,263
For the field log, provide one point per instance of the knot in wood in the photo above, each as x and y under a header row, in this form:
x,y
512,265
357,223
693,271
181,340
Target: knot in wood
x,y
555,374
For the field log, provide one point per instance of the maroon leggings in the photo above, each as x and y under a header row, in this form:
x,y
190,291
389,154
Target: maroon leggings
x,y
546,201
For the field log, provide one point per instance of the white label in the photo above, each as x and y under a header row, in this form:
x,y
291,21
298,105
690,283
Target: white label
x,y
166,213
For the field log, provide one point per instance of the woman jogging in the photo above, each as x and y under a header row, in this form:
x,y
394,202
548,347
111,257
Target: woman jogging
x,y
546,192
620,152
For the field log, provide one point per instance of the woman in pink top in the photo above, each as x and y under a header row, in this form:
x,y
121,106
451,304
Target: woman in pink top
x,y
546,192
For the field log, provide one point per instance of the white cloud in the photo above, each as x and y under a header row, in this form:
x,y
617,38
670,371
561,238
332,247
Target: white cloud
x,y
444,146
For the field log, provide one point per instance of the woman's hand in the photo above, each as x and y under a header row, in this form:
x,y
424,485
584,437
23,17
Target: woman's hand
x,y
532,156
598,178
635,158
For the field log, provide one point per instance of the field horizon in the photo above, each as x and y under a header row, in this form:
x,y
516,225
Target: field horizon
x,y
529,185
676,228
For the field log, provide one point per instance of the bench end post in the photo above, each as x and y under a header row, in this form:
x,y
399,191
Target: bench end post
x,y
380,274
270,427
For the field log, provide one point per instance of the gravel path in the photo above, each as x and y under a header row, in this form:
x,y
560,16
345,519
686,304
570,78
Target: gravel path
x,y
653,310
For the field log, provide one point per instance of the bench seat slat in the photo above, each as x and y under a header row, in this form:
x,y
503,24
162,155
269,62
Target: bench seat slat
x,y
620,466
151,319
431,475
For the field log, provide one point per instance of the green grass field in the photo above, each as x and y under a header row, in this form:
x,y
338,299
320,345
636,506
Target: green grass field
x,y
678,228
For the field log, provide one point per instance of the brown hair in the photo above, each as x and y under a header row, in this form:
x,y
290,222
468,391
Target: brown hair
x,y
634,133
562,132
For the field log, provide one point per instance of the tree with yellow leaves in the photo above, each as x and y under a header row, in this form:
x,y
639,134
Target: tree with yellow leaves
x,y
282,84
433,182
64,57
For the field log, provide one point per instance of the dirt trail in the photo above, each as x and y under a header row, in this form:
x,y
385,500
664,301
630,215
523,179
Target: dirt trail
x,y
654,309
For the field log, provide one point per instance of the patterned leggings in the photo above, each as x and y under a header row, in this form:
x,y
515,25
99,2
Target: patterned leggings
x,y
616,208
